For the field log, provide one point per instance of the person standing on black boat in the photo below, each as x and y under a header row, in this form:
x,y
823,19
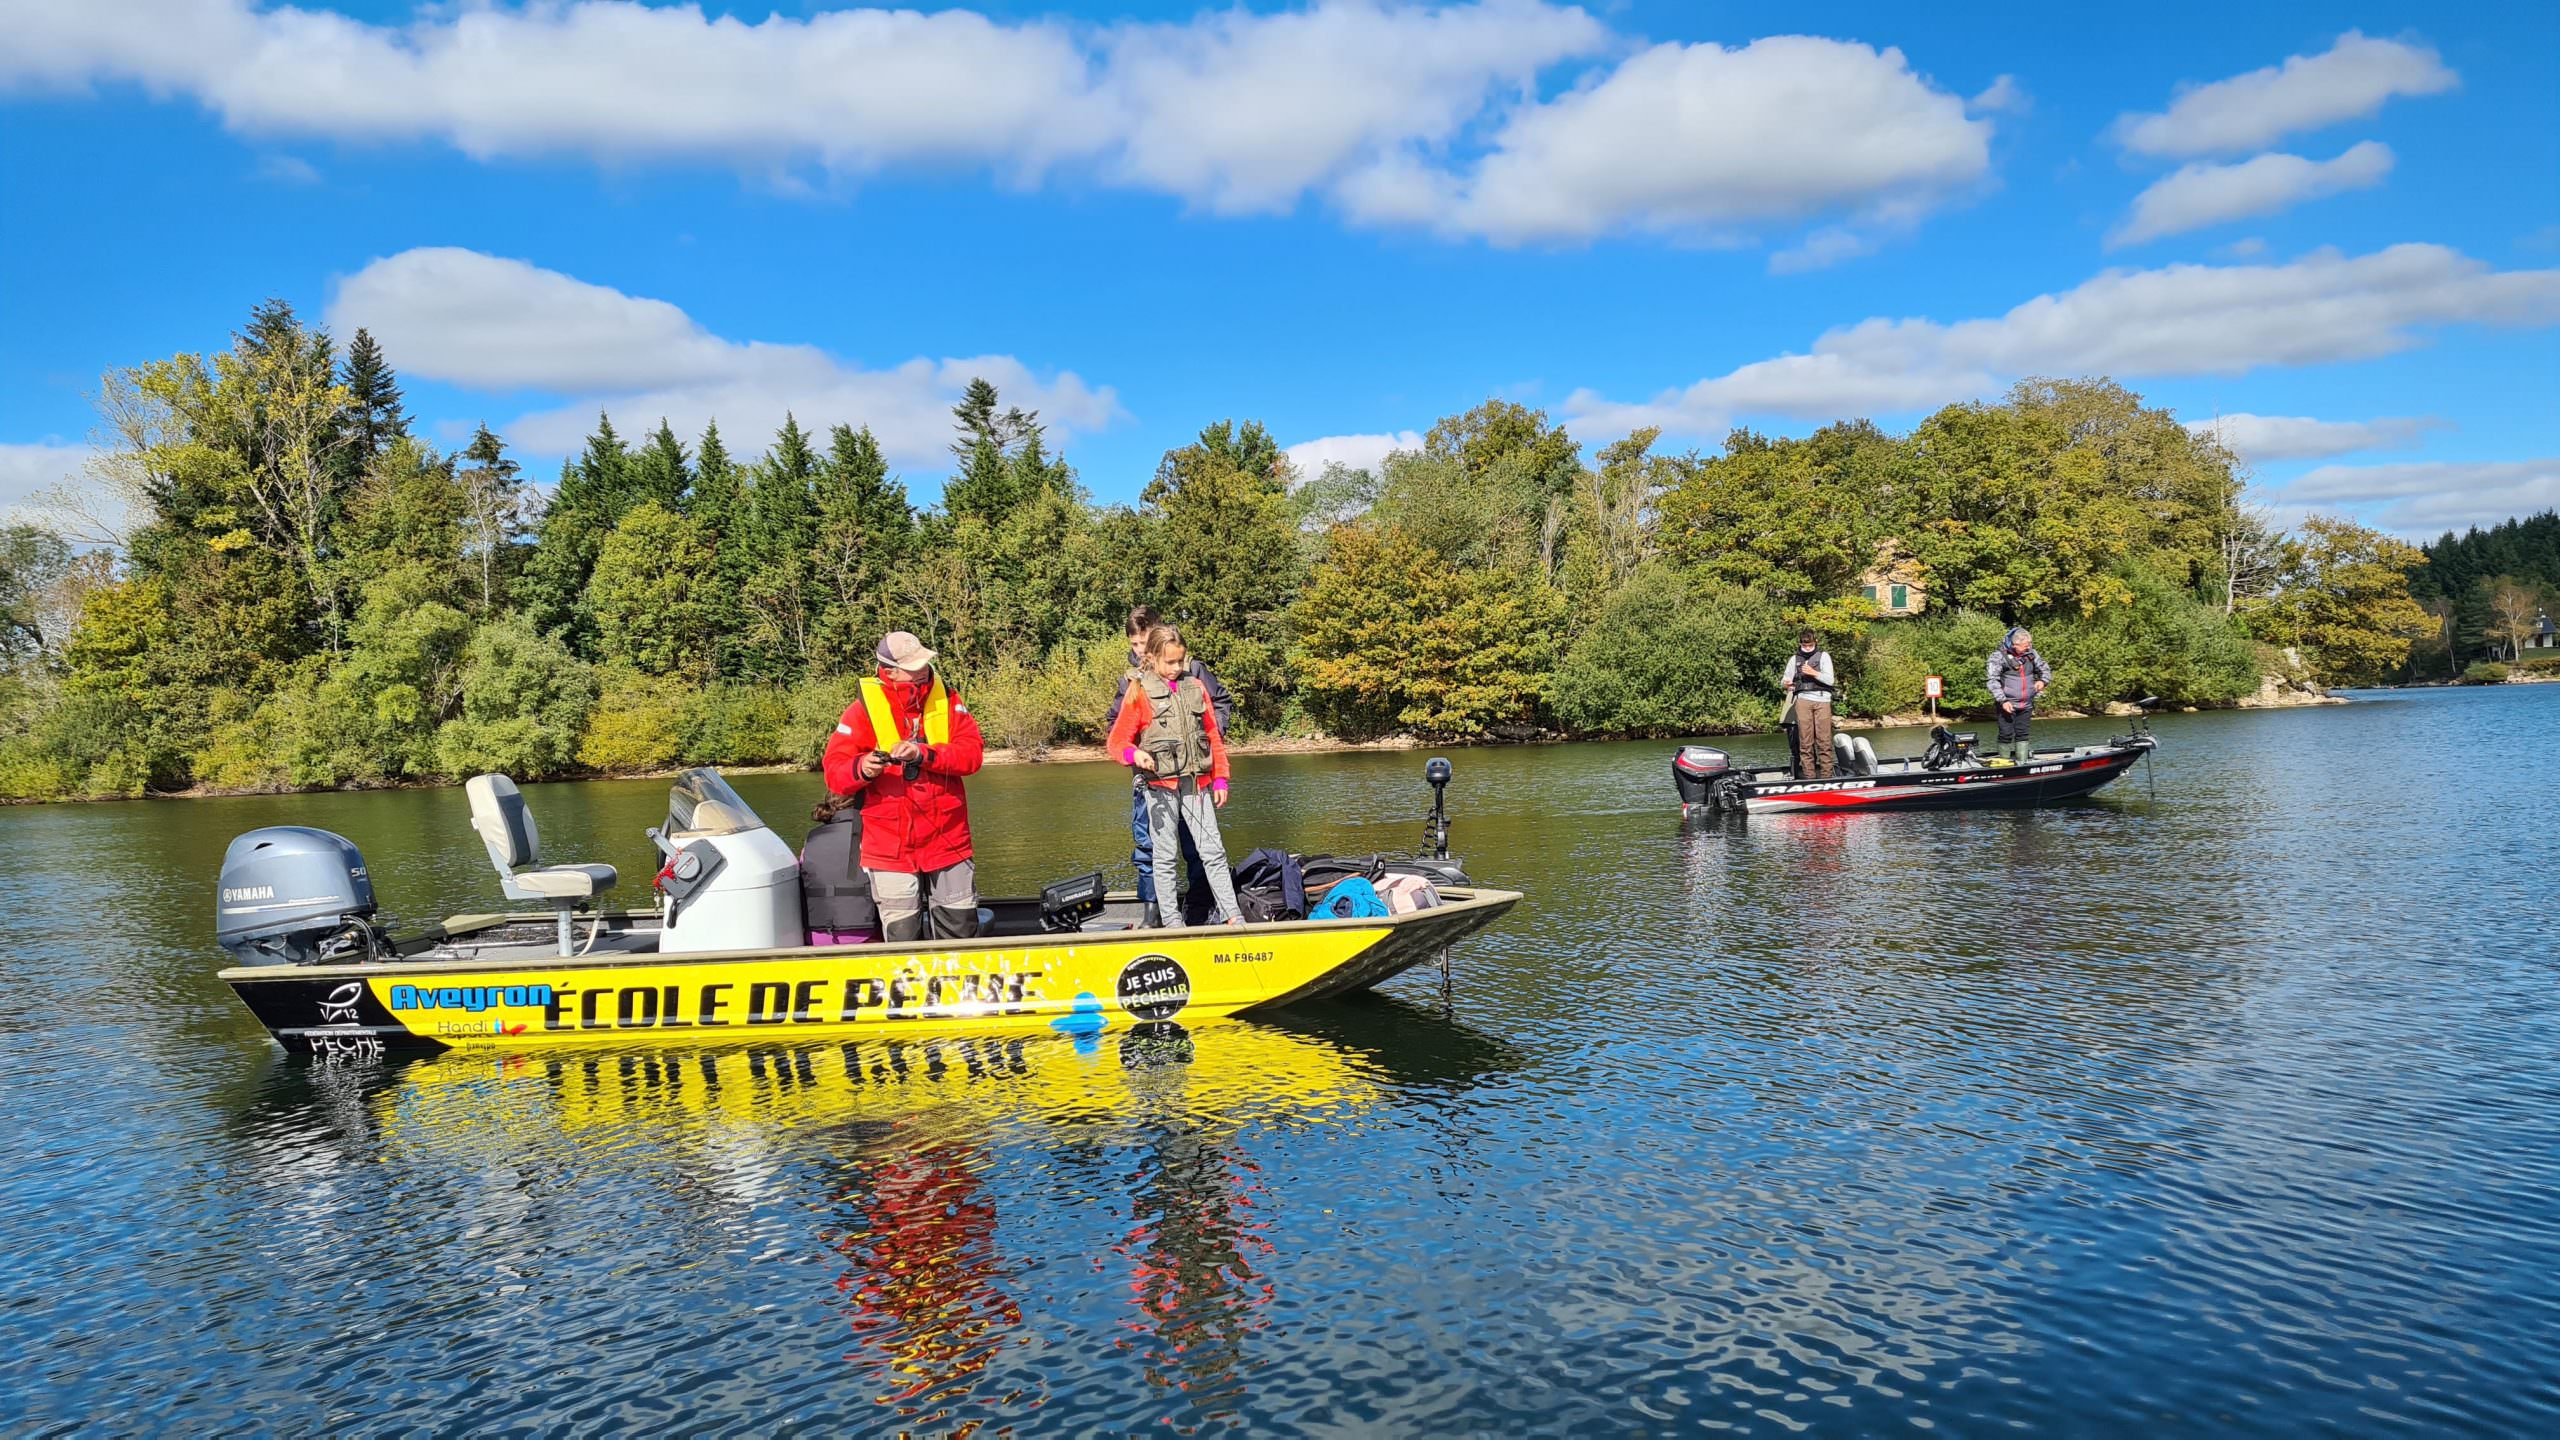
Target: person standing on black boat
x,y
1809,683
2016,675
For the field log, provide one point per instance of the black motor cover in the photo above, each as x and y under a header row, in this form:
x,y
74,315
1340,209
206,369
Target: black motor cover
x,y
286,891
1694,768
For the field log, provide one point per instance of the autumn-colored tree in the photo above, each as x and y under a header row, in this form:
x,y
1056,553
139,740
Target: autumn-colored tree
x,y
1391,636
2347,603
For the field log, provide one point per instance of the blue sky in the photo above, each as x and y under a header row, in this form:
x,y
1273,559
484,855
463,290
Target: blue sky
x,y
1341,219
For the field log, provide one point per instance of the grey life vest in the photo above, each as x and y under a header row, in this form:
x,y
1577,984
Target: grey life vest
x,y
1177,732
835,893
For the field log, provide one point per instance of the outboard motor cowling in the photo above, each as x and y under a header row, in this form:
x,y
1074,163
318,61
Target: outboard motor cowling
x,y
1695,768
292,895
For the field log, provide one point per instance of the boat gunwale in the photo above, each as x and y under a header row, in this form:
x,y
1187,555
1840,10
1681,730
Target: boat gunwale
x,y
1476,898
1783,773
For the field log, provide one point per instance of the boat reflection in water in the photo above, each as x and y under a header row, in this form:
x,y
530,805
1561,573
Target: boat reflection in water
x,y
949,1176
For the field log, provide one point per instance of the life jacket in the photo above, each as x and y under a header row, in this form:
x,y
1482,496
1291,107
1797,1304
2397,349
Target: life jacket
x,y
835,891
884,721
1177,732
1808,679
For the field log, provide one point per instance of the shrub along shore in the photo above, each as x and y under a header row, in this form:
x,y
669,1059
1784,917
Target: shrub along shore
x,y
302,594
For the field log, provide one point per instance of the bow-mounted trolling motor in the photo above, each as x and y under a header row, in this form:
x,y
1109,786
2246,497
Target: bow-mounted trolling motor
x,y
1435,828
2139,732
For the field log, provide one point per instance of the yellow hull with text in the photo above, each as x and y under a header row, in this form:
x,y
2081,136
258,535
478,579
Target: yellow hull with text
x,y
475,992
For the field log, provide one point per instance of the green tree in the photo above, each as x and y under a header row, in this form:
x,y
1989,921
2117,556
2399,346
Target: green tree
x,y
374,416
1228,566
493,513
1508,448
865,530
1392,636
776,543
1797,520
594,490
648,593
373,717
2347,603
661,472
525,700
1663,659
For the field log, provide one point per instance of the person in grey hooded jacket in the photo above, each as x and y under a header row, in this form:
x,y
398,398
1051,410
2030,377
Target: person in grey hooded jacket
x,y
2016,675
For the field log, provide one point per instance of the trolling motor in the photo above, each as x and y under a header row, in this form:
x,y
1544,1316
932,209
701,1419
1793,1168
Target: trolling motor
x,y
2139,732
1435,829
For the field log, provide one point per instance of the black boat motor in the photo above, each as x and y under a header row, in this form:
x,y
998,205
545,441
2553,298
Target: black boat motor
x,y
1695,770
292,895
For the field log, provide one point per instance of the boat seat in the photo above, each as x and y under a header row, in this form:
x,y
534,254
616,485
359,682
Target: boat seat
x,y
505,825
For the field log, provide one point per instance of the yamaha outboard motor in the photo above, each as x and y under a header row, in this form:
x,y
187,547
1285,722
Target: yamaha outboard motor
x,y
1695,769
292,895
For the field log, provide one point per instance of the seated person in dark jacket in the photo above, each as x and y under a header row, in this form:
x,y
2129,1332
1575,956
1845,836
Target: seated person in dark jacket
x,y
1195,881
835,891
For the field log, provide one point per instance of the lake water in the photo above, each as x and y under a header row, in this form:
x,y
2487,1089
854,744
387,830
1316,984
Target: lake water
x,y
2232,1106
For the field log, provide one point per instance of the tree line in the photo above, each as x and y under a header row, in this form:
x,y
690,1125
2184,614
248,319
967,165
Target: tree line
x,y
2486,593
303,592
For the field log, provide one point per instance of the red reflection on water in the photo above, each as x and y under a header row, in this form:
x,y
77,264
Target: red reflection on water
x,y
924,1286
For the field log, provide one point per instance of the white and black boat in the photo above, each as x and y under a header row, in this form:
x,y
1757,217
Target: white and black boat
x,y
1950,775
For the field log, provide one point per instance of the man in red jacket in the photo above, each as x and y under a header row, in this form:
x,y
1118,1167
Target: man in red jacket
x,y
904,746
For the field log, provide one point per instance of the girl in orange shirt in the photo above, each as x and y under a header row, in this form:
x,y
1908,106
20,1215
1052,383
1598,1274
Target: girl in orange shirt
x,y
1168,732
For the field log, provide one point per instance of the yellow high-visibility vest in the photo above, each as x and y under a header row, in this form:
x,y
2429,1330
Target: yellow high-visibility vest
x,y
884,725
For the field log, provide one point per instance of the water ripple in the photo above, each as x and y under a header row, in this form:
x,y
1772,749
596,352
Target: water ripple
x,y
2228,1108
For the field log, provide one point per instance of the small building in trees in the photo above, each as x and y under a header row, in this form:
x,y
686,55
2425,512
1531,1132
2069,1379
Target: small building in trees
x,y
1892,586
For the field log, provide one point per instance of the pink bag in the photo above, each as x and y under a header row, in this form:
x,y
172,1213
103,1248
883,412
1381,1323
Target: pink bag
x,y
1407,893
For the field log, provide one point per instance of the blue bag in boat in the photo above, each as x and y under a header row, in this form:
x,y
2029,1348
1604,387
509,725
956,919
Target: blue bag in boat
x,y
1350,899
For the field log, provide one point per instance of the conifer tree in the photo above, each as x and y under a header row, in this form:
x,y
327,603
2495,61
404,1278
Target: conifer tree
x,y
865,527
779,532
661,472
374,416
718,505
594,491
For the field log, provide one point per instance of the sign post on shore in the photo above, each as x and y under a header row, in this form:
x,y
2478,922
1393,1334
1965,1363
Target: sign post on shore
x,y
1932,688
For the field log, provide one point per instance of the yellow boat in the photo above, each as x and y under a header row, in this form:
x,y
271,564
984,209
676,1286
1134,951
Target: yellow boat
x,y
714,963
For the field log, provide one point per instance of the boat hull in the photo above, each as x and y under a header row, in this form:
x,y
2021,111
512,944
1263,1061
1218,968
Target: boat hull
x,y
1080,983
2039,781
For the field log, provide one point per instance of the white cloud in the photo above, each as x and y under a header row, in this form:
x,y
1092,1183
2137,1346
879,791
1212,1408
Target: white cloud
x,y
2199,195
2350,79
1822,249
2260,438
287,170
2247,247
1382,108
1233,110
1698,140
506,326
2177,320
1244,112
29,470
2427,497
1357,452
2004,96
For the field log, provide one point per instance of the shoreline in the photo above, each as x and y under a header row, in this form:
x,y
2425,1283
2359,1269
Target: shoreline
x,y
2271,697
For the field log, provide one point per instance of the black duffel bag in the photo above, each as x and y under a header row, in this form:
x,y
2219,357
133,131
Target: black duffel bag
x,y
1270,885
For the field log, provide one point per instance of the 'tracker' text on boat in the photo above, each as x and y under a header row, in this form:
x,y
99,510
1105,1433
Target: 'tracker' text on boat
x,y
722,957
